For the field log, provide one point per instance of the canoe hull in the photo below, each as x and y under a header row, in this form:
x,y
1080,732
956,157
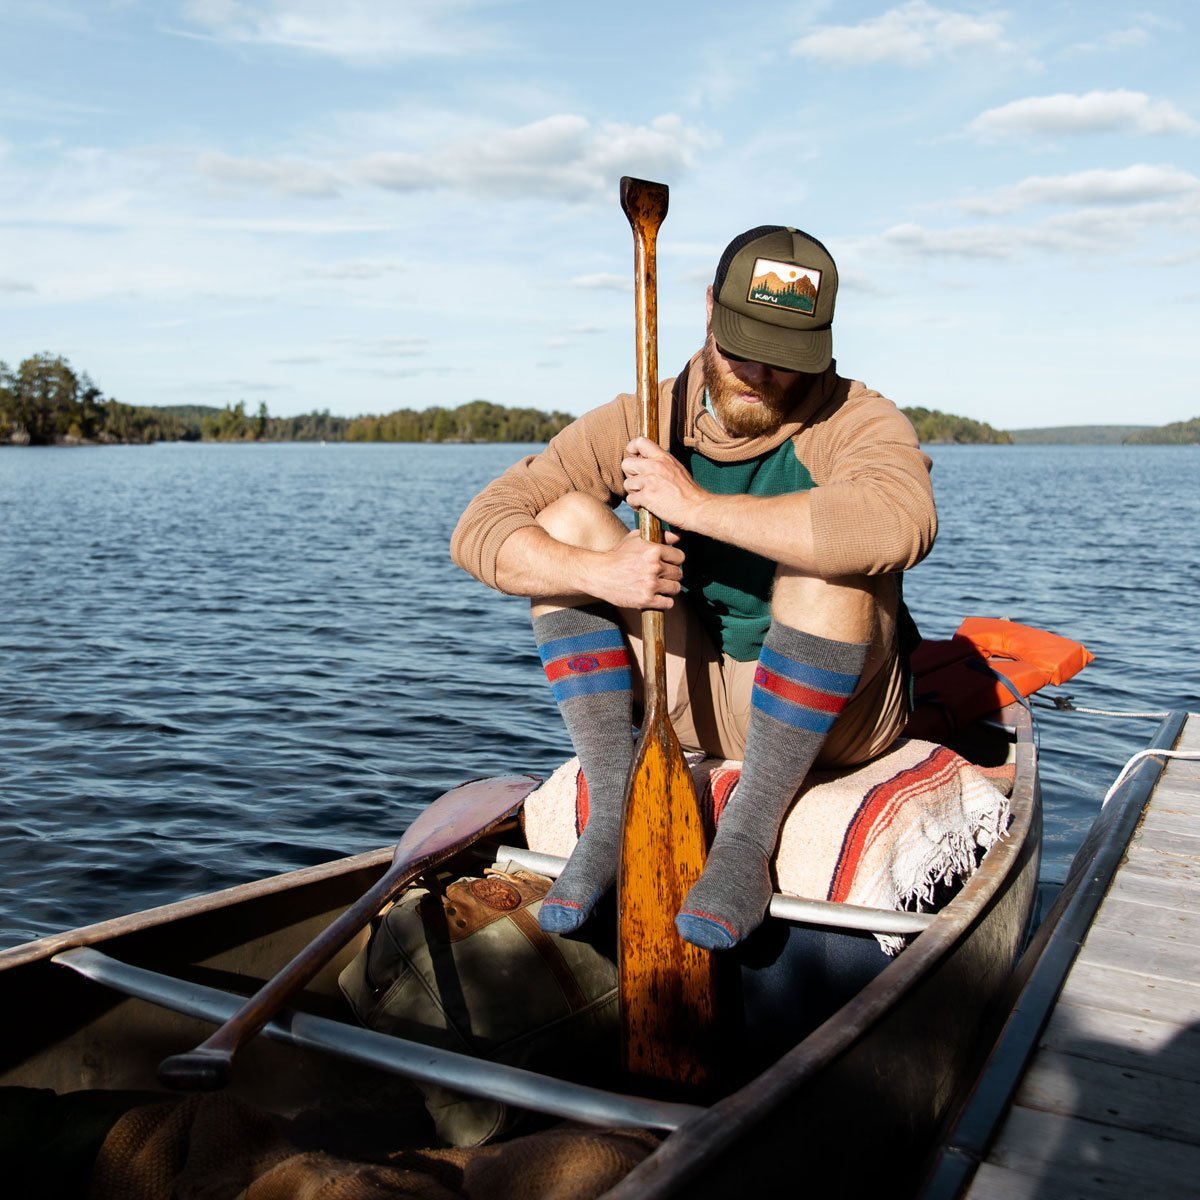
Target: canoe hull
x,y
855,1105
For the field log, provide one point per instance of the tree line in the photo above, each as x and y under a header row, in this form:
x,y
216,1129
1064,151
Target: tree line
x,y
934,426
44,401
1178,433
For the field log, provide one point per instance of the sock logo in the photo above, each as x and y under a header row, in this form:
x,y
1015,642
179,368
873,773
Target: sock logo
x,y
587,664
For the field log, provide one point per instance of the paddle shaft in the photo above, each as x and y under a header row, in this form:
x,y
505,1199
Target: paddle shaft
x,y
646,205
451,822
667,987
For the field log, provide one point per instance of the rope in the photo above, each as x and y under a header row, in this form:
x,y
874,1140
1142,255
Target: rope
x,y
1063,704
1193,755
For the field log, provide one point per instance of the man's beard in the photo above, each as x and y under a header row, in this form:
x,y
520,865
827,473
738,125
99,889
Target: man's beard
x,y
737,417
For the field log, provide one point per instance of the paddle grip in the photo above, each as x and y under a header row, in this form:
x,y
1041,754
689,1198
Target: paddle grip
x,y
198,1070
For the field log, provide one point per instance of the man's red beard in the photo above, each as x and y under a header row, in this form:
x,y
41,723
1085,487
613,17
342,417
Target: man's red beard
x,y
725,391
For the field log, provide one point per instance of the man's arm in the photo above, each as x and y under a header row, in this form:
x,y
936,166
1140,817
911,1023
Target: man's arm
x,y
499,538
630,573
777,527
871,513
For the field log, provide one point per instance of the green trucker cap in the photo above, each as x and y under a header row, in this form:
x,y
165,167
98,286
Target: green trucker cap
x,y
773,299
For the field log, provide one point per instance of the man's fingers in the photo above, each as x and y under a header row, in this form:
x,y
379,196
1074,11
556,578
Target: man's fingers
x,y
642,447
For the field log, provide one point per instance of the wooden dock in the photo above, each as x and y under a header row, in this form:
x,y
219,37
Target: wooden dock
x,y
1108,1104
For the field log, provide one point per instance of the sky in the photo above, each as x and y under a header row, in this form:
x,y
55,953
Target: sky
x,y
378,204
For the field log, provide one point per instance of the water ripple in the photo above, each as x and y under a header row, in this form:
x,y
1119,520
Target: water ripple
x,y
220,662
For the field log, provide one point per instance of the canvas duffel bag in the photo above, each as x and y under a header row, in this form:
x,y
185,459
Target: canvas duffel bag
x,y
469,969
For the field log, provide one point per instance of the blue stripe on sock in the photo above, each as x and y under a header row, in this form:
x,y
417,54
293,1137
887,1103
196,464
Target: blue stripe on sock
x,y
602,639
571,686
836,682
787,713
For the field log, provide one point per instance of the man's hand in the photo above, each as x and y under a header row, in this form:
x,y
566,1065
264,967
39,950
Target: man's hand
x,y
637,573
657,481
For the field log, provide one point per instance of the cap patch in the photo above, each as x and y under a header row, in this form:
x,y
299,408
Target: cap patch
x,y
784,285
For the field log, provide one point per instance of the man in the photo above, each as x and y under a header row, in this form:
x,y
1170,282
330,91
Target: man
x,y
794,499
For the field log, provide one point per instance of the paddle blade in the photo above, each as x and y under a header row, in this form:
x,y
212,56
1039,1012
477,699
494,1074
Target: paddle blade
x,y
668,987
450,823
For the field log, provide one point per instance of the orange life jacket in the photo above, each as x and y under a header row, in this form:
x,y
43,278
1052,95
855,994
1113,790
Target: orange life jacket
x,y
986,664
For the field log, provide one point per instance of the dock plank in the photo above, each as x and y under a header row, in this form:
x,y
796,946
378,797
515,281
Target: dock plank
x,y
1129,952
1144,861
1148,921
1066,1158
1175,818
1094,985
1124,1039
1120,1097
1160,891
1165,842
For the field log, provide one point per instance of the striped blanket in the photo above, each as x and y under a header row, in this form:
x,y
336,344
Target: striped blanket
x,y
885,834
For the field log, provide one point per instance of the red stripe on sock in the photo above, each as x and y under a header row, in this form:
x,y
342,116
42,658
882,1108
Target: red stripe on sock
x,y
797,693
586,663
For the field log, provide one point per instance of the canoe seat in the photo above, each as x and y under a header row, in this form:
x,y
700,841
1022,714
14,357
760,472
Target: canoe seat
x,y
887,834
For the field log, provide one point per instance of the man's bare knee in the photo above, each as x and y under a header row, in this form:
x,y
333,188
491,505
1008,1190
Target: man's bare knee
x,y
581,520
846,609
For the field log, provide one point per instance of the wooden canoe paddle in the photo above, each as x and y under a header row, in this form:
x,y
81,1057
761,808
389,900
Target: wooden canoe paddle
x,y
667,986
450,823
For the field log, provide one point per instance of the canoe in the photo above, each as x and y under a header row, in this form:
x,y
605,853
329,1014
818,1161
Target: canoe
x,y
856,1104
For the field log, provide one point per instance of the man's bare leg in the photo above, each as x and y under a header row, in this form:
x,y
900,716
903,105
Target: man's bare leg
x,y
808,668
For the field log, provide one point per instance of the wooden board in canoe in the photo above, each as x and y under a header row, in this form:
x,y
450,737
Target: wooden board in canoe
x,y
854,1105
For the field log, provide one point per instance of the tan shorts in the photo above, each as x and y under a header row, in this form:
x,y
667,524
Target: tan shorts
x,y
709,694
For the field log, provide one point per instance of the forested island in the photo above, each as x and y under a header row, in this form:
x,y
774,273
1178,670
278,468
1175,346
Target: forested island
x,y
1177,433
45,402
940,427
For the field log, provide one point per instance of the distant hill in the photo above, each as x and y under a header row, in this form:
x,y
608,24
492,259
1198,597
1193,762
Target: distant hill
x,y
1177,433
1077,435
189,414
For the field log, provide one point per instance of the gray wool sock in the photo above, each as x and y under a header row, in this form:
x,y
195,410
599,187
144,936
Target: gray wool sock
x,y
587,663
801,684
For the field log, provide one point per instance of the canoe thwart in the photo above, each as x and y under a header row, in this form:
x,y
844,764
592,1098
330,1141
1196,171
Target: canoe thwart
x,y
785,908
398,1056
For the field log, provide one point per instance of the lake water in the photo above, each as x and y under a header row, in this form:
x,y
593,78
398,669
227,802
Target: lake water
x,y
218,662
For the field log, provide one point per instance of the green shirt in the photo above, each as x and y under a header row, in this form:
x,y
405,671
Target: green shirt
x,y
731,587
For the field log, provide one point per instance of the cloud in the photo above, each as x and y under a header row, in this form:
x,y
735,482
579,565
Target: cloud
x,y
16,285
1116,39
355,269
289,176
355,31
248,385
603,281
910,35
1129,185
386,347
1117,111
979,242
562,157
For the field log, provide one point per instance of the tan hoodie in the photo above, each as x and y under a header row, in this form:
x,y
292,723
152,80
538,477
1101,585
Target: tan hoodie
x,y
872,507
